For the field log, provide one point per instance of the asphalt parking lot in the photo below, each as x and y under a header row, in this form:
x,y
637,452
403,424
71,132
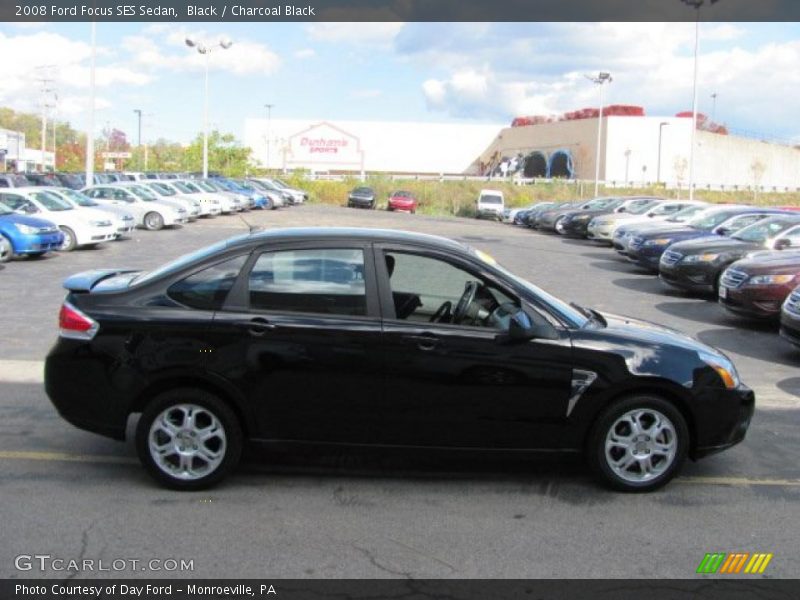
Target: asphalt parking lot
x,y
72,494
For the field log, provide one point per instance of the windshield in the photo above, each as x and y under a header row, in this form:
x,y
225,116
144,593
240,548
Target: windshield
x,y
143,193
51,202
362,190
182,261
561,308
205,186
640,207
280,184
491,199
77,197
763,230
709,220
686,214
185,188
161,188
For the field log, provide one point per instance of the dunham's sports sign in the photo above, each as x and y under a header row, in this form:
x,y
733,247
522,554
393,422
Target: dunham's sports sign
x,y
324,146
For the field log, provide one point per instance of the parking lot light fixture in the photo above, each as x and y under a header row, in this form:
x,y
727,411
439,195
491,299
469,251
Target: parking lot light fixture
x,y
206,50
601,79
695,4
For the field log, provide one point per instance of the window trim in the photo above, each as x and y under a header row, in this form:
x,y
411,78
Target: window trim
x,y
238,299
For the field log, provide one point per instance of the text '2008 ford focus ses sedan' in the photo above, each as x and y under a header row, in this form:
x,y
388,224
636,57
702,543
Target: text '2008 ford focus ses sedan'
x,y
370,337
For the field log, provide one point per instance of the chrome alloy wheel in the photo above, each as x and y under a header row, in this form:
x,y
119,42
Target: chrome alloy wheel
x,y
187,441
641,445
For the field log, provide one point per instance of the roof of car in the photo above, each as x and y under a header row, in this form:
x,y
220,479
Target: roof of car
x,y
347,233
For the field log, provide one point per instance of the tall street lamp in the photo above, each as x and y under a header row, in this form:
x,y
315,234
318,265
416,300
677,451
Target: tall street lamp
x,y
695,4
138,112
206,50
660,136
269,108
601,79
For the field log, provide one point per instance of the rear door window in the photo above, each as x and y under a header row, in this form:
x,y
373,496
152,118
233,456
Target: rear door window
x,y
207,289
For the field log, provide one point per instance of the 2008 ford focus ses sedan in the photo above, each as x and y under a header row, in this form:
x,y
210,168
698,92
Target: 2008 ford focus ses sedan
x,y
378,338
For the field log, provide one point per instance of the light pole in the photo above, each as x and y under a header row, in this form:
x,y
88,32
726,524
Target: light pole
x,y
696,4
206,50
269,122
138,112
660,137
601,79
713,106
90,128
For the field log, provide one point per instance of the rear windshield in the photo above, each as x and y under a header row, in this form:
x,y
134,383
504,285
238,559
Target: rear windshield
x,y
181,262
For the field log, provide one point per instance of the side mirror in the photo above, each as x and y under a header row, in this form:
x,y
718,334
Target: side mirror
x,y
723,231
783,243
522,328
622,209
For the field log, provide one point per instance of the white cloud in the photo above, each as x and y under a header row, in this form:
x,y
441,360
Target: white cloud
x,y
305,53
358,34
244,57
505,70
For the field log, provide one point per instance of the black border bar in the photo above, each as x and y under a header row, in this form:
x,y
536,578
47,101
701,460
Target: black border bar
x,y
700,588
397,10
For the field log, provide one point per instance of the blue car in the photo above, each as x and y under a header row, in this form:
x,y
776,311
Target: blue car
x,y
256,199
646,247
28,236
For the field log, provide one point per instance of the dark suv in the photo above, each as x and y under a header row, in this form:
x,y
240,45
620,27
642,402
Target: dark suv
x,y
361,197
359,337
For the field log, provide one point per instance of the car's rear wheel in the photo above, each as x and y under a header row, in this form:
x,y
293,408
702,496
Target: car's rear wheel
x,y
559,226
188,439
70,241
638,444
153,221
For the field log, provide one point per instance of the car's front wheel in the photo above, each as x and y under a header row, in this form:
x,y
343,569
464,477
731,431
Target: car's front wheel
x,y
70,241
188,439
638,444
9,253
153,221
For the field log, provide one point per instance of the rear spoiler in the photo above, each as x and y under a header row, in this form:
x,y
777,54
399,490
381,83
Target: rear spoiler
x,y
86,281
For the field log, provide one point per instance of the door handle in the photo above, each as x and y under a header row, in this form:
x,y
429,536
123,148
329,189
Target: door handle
x,y
257,327
423,342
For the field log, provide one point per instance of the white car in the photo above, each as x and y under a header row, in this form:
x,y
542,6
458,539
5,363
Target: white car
x,y
275,196
150,213
191,207
205,194
602,228
490,204
287,198
240,201
80,227
164,192
208,207
124,220
298,196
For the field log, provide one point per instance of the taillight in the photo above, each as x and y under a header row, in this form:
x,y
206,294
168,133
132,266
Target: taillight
x,y
74,324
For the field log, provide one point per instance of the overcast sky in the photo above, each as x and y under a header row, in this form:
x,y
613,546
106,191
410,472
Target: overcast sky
x,y
439,72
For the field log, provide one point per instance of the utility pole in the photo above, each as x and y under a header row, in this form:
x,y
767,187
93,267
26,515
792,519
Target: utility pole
x,y
138,112
269,121
713,106
45,81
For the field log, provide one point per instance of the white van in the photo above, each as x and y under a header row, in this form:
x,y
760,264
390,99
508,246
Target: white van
x,y
490,204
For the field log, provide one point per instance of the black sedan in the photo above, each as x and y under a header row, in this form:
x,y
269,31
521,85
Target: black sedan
x,y
378,338
697,265
361,197
576,223
790,318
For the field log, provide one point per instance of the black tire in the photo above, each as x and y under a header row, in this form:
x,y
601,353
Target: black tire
x,y
212,404
596,443
70,241
8,255
153,221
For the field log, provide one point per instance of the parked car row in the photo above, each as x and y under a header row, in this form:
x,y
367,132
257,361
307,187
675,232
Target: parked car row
x,y
398,201
35,220
748,257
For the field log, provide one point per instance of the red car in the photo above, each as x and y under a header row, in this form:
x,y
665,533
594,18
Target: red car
x,y
757,286
404,201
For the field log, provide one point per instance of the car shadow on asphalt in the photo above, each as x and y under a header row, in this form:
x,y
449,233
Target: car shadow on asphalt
x,y
605,256
620,267
649,284
711,313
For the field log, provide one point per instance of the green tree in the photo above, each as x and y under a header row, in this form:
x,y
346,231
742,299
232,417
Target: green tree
x,y
225,154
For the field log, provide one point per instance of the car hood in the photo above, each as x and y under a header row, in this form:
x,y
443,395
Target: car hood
x,y
26,220
648,349
770,262
714,244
